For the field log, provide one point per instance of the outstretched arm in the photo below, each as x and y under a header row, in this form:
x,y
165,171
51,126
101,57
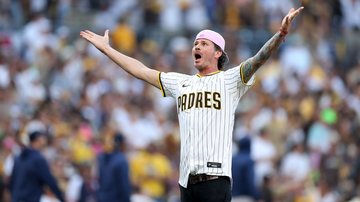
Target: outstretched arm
x,y
130,65
251,65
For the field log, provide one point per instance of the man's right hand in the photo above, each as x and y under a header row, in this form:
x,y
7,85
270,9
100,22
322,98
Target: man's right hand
x,y
129,64
100,42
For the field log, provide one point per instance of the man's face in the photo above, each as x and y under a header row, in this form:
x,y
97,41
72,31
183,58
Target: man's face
x,y
204,54
42,141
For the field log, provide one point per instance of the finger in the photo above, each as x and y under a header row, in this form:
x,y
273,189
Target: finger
x,y
290,11
85,34
106,33
89,32
295,13
300,9
287,20
291,18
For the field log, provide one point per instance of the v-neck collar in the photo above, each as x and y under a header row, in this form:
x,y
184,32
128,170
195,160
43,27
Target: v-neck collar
x,y
212,73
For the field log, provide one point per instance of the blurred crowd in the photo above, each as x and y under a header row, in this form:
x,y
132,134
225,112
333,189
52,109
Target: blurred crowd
x,y
302,115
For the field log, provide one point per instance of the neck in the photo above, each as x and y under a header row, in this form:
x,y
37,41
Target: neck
x,y
207,71
35,146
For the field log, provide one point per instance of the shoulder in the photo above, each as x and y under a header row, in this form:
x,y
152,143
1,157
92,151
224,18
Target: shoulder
x,y
31,153
101,156
233,69
119,161
119,157
174,75
37,156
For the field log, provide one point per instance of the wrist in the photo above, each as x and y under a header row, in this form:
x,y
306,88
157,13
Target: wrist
x,y
106,49
283,32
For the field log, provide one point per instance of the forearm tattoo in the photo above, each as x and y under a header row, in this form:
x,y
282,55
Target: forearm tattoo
x,y
251,65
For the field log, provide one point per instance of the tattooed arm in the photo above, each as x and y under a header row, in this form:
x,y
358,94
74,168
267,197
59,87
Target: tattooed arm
x,y
251,65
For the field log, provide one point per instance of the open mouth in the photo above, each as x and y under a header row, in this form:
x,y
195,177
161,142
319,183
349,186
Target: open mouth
x,y
197,56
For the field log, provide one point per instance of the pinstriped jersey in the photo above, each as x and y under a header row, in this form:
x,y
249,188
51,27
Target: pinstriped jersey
x,y
206,108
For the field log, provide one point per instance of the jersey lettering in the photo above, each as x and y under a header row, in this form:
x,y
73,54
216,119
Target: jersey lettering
x,y
207,99
191,100
183,102
198,100
204,99
217,101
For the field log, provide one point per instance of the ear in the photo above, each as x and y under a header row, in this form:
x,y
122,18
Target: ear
x,y
218,54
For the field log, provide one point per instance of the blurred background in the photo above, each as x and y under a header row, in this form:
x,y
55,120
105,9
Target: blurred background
x,y
303,114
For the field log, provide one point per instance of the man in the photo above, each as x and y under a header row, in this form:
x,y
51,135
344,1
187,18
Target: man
x,y
31,172
243,173
114,183
206,106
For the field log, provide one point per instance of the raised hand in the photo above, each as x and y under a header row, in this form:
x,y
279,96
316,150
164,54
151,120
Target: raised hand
x,y
285,24
251,65
100,42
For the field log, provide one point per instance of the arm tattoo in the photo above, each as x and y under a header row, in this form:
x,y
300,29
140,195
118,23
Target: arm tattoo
x,y
252,64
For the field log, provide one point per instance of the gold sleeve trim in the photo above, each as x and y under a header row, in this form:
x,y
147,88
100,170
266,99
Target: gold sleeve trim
x,y
241,73
161,86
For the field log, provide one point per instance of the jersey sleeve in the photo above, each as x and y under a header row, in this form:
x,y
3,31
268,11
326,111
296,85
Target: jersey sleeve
x,y
235,80
169,83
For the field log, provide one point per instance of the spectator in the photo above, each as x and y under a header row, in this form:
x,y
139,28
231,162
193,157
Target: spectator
x,y
31,173
296,164
325,192
295,169
114,183
263,152
81,186
124,37
321,135
243,172
87,191
354,174
73,188
267,190
151,171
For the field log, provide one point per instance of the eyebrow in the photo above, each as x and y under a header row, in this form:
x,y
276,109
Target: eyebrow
x,y
201,41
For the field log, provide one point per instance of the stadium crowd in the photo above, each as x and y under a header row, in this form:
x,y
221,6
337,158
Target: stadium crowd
x,y
302,116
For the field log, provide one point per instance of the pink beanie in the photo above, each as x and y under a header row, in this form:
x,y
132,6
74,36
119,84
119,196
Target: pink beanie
x,y
215,37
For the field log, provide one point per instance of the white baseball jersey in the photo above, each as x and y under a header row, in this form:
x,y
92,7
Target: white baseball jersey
x,y
206,108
